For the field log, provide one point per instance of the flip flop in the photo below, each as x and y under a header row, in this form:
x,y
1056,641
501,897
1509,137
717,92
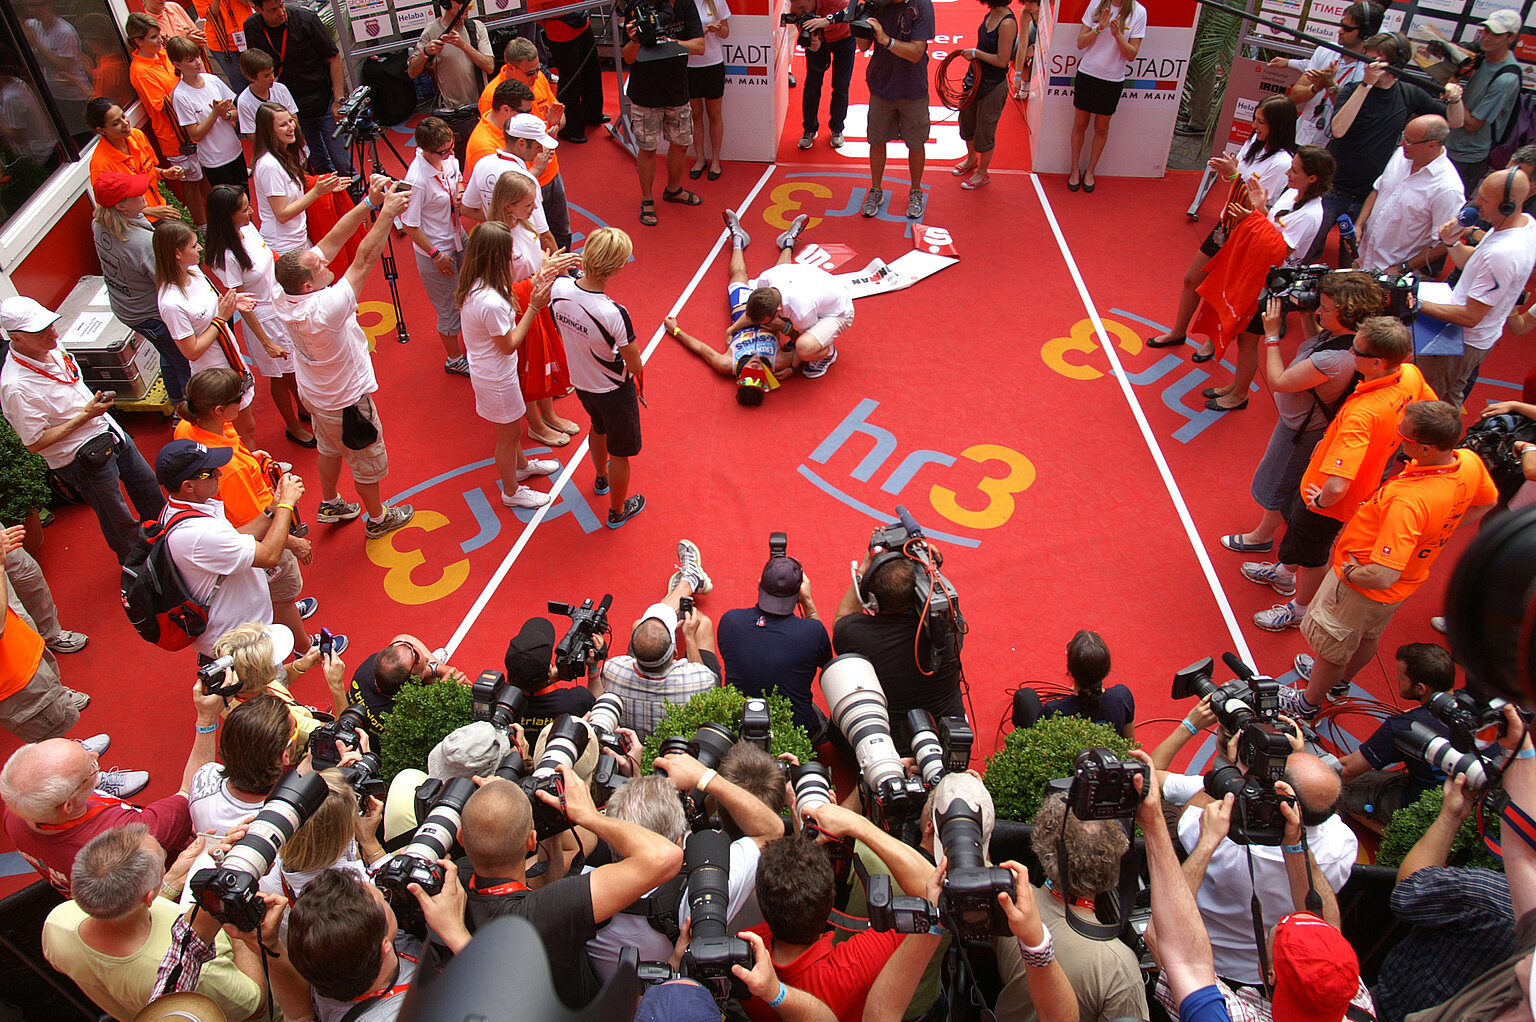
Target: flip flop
x,y
682,196
648,212
1235,543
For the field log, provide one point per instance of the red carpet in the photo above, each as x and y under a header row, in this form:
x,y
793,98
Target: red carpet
x,y
979,399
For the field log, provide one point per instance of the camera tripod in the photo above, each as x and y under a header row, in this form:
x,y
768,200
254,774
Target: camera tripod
x,y
365,153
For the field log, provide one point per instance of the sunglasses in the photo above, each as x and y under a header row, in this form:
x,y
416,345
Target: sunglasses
x,y
1361,354
210,473
1405,438
443,152
415,656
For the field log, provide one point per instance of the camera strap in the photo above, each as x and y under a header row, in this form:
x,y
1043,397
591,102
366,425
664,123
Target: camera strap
x,y
1125,893
961,975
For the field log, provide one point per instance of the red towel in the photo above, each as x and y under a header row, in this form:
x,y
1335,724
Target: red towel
x,y
541,367
322,215
1234,278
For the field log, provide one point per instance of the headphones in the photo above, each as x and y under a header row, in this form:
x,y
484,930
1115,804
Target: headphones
x,y
1508,207
866,595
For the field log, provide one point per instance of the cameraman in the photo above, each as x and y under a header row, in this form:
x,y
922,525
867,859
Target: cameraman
x,y
1311,969
658,97
898,96
1371,788
1218,868
889,632
831,46
529,664
379,679
647,678
498,834
1105,975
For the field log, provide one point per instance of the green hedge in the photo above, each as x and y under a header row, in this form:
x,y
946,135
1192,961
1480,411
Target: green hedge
x,y
1410,822
423,716
1017,773
724,706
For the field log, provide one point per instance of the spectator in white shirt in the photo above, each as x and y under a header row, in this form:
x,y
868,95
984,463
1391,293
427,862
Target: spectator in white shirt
x,y
431,221
205,108
1418,191
259,68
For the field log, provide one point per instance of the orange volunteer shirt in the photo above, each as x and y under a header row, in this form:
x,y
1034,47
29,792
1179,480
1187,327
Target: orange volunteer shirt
x,y
482,142
139,159
1363,436
155,80
243,486
543,96
228,24
21,650
1410,518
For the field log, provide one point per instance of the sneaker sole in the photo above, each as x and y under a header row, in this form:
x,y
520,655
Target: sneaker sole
x,y
1276,628
620,523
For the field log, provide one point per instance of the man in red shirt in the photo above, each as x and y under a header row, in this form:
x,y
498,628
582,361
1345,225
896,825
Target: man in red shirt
x,y
1386,550
53,807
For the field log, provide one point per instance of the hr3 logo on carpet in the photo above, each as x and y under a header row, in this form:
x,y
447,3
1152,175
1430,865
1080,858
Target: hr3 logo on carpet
x,y
998,492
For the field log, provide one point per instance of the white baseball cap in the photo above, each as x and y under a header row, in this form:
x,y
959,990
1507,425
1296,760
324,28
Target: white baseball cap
x,y
1503,22
26,314
531,126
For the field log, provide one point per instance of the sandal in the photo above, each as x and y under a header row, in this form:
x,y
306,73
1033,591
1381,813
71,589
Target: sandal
x,y
682,196
648,212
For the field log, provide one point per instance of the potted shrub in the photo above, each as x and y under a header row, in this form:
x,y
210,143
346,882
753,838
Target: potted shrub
x,y
423,716
1410,822
1017,773
724,706
24,489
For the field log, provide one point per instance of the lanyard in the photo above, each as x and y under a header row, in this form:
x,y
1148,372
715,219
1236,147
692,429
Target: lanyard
x,y
453,207
398,988
281,49
70,368
508,887
1083,903
226,335
97,804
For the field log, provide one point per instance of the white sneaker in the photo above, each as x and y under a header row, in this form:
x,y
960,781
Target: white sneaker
x,y
1303,664
691,567
537,467
116,783
96,744
1279,617
526,496
68,642
812,370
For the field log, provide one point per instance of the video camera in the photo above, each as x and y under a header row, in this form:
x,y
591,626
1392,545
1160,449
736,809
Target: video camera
x,y
348,728
653,30
1249,707
417,862
354,119
1297,289
893,800
863,14
229,891
497,702
567,741
1493,440
216,679
933,597
578,646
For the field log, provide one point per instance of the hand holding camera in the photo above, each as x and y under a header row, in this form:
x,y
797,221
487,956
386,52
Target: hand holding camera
x,y
290,488
682,769
1019,906
1216,821
396,201
444,908
1290,808
761,979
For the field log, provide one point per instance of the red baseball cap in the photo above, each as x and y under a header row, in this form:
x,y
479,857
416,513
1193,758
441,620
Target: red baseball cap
x,y
114,187
1316,971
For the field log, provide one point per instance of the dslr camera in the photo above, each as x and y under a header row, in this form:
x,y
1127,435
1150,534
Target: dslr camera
x,y
893,800
577,649
434,839
348,728
804,37
968,902
1103,786
567,741
709,746
939,749
496,701
712,947
364,778
229,891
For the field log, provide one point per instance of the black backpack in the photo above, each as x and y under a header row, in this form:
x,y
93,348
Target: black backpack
x,y
159,605
394,93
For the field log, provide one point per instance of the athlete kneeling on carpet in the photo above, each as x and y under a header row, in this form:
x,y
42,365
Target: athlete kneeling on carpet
x,y
752,353
807,303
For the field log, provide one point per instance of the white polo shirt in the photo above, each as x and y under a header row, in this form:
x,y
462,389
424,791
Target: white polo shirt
x,y
40,395
482,182
806,294
330,350
1495,275
1410,206
433,207
206,547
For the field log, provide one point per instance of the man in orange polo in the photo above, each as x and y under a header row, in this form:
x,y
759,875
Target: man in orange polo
x,y
226,35
33,704
1386,550
1346,467
511,98
523,66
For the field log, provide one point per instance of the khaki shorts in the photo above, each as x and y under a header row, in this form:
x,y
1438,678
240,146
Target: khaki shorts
x,y
369,465
652,123
42,709
1339,619
906,119
285,581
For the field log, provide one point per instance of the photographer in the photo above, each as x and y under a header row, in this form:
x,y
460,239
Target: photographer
x,y
1371,788
898,96
348,954
831,45
796,890
111,937
767,646
52,806
889,632
257,743
379,679
658,95
335,370
530,666
459,58
1218,868
1104,974
1462,918
1310,967
498,834
647,678
1386,551
1493,275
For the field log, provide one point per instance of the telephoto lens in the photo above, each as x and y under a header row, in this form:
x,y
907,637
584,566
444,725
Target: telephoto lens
x,y
605,713
858,710
676,745
229,892
813,787
1422,743
712,948
567,739
926,749
968,901
512,766
711,743
416,863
